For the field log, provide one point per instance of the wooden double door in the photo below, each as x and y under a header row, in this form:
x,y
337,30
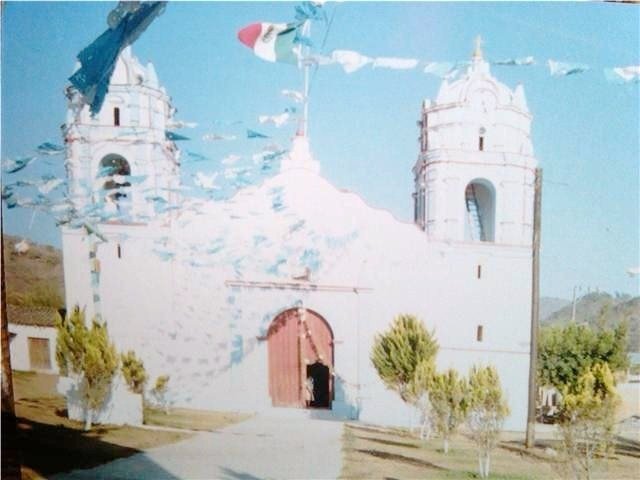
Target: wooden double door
x,y
300,344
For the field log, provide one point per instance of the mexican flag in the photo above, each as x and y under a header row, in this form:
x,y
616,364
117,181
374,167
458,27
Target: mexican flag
x,y
274,42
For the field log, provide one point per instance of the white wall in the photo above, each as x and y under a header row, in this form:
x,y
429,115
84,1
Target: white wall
x,y
77,277
121,407
630,400
184,320
20,346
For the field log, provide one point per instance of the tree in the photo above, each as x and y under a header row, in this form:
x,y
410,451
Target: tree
x,y
10,441
418,395
448,396
134,372
160,390
397,352
88,354
487,410
565,353
587,418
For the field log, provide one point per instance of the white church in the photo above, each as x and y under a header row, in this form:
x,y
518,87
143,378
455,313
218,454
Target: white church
x,y
241,300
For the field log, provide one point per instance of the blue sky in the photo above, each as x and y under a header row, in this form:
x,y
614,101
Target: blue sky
x,y
363,125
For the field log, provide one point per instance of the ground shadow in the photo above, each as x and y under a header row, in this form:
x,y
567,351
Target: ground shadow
x,y
388,442
383,430
622,446
62,412
416,462
324,414
49,449
517,447
230,474
123,469
627,446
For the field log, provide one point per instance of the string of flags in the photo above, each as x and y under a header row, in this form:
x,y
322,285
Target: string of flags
x,y
214,137
48,148
352,61
623,74
13,166
112,188
562,69
277,120
254,134
281,42
97,61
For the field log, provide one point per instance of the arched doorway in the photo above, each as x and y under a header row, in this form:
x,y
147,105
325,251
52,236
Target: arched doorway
x,y
300,344
480,211
113,167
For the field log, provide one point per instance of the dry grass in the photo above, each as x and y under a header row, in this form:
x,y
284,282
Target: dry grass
x,y
40,267
52,443
192,419
376,453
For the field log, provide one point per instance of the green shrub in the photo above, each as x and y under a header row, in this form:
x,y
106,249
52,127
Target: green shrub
x,y
160,390
487,410
587,419
566,353
397,352
90,355
133,372
448,395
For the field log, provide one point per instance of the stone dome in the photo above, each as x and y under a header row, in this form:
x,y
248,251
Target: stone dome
x,y
129,71
478,86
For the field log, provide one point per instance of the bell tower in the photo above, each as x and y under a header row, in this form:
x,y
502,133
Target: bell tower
x,y
474,176
121,164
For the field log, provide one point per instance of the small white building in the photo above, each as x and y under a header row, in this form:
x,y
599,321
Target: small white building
x,y
32,336
241,300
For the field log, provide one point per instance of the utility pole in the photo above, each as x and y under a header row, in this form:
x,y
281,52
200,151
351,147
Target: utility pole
x,y
10,447
535,303
573,308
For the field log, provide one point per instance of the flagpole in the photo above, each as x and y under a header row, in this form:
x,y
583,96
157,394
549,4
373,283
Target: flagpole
x,y
306,30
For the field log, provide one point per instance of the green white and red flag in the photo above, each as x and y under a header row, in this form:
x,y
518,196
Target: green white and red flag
x,y
274,42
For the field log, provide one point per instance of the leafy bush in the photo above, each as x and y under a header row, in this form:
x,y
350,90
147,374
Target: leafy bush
x,y
487,410
397,352
418,395
566,353
90,355
160,390
587,419
448,394
133,372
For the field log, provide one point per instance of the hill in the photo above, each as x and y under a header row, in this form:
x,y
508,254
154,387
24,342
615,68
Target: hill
x,y
602,309
550,305
35,275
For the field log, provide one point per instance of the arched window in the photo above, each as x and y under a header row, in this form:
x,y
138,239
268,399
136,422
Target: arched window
x,y
480,206
424,133
481,139
113,168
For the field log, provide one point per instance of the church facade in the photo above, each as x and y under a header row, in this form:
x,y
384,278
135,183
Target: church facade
x,y
242,301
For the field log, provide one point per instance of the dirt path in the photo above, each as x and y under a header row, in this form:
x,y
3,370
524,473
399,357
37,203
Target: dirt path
x,y
261,447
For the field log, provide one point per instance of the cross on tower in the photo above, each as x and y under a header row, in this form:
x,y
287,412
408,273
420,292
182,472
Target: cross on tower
x,y
477,52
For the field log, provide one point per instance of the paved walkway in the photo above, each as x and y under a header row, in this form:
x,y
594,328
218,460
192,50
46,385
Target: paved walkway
x,y
263,447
